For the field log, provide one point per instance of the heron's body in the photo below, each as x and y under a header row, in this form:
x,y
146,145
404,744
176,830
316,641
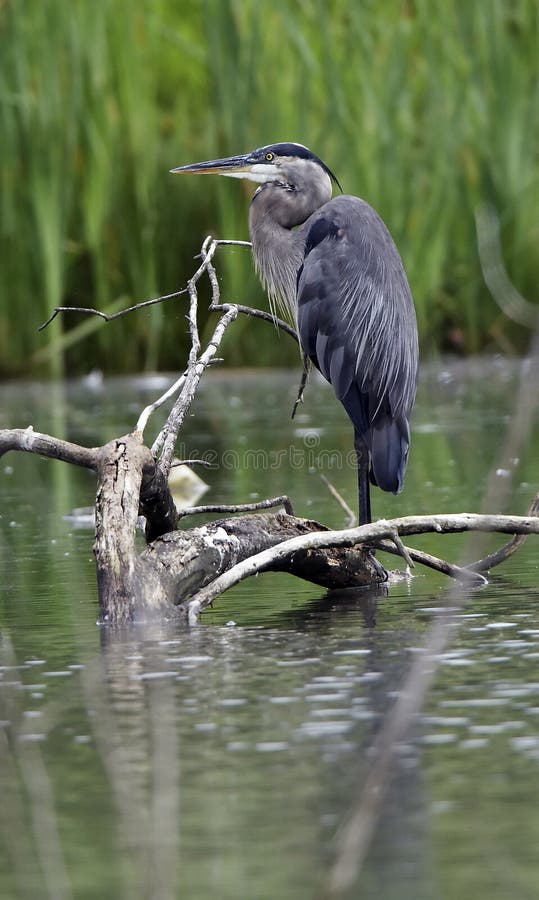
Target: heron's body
x,y
333,266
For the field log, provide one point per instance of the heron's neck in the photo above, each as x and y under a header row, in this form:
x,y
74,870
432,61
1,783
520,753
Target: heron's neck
x,y
278,255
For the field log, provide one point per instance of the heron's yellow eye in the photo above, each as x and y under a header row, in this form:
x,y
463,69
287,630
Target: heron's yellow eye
x,y
269,156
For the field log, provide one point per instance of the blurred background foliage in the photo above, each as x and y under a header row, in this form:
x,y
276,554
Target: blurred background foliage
x,y
426,111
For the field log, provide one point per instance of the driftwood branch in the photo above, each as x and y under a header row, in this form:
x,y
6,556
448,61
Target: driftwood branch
x,y
351,517
191,569
270,503
257,314
188,560
499,557
129,477
302,385
29,441
362,534
463,574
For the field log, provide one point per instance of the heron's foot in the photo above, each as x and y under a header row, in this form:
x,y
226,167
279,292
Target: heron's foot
x,y
370,550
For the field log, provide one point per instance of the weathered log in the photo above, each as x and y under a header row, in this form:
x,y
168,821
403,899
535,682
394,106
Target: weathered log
x,y
188,560
192,567
163,577
124,585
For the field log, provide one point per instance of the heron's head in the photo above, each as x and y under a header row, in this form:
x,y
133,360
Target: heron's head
x,y
287,165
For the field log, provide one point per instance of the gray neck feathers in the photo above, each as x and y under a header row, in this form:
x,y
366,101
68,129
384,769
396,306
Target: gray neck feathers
x,y
278,245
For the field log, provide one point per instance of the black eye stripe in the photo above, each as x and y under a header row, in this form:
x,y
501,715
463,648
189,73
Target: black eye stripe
x,y
295,151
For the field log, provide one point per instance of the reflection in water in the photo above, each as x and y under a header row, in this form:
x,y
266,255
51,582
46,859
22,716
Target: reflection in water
x,y
220,761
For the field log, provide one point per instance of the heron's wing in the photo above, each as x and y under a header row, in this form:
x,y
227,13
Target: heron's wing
x,y
357,323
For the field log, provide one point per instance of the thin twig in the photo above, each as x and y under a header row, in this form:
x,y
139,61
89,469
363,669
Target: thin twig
x,y
166,439
188,382
459,573
350,514
257,314
499,556
402,550
270,503
151,408
302,385
180,383
89,311
192,462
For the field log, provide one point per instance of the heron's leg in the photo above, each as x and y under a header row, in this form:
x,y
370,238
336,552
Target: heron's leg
x,y
364,487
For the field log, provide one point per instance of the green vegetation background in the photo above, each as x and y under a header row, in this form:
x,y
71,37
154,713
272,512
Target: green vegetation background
x,y
426,110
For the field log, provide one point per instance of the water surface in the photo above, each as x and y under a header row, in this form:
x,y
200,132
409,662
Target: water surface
x,y
220,761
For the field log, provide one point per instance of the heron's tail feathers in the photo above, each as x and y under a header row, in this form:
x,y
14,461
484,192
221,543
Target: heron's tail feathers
x,y
389,447
388,443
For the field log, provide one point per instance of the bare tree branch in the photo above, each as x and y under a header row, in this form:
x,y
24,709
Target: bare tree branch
x,y
350,514
89,311
166,440
270,503
192,462
257,314
459,573
30,441
302,385
362,534
499,556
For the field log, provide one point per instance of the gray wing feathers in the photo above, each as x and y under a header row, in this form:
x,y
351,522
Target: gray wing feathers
x,y
357,323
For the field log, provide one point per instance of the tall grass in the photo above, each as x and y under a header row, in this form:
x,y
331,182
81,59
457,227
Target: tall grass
x,y
423,112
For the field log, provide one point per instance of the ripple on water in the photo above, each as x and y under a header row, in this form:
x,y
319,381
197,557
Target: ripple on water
x,y
473,743
526,744
271,746
498,728
189,660
323,729
445,737
474,701
155,676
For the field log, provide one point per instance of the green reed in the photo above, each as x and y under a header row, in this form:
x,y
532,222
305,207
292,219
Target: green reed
x,y
424,112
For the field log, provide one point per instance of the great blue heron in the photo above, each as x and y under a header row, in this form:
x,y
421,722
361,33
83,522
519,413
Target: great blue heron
x,y
332,265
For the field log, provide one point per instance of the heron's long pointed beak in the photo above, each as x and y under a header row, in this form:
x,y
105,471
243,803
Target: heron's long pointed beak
x,y
233,166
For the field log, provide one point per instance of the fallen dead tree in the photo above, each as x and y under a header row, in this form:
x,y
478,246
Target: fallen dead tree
x,y
182,571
